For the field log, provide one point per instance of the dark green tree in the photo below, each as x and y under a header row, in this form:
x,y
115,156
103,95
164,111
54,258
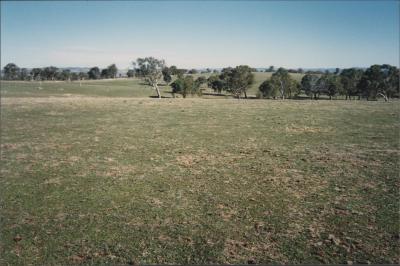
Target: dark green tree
x,y
350,78
333,85
104,73
379,80
24,74
65,74
186,85
268,89
112,71
50,72
173,70
130,73
37,74
237,80
166,75
215,83
309,85
11,71
94,73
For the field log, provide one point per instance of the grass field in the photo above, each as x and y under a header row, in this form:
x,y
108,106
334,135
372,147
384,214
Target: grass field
x,y
139,180
107,88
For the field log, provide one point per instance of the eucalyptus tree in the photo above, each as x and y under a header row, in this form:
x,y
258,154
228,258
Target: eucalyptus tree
x,y
50,72
350,78
333,85
94,73
186,85
238,80
65,74
24,74
380,80
293,88
104,74
283,79
112,71
268,89
11,71
215,83
37,73
151,71
309,85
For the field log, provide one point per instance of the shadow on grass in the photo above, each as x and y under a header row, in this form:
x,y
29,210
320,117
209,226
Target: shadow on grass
x,y
163,97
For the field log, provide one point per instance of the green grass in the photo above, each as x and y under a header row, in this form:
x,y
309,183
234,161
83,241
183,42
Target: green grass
x,y
140,180
95,88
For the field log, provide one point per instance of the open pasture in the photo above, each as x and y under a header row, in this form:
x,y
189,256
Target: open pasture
x,y
141,180
129,87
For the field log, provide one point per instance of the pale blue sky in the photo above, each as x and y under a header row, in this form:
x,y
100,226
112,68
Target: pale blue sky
x,y
201,34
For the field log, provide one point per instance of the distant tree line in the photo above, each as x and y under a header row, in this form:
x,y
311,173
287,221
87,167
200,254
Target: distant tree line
x,y
371,83
12,72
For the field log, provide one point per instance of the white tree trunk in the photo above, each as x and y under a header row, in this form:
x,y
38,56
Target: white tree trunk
x,y
158,91
282,90
384,96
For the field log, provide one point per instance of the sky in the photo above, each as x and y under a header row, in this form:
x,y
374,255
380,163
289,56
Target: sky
x,y
194,34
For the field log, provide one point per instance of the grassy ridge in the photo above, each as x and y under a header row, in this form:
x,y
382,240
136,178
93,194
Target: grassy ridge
x,y
124,180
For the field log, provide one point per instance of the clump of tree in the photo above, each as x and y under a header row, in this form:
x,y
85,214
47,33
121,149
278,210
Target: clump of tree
x,y
309,84
65,75
50,72
330,85
376,81
11,72
186,85
37,74
94,73
24,74
238,80
280,85
215,83
233,80
110,72
380,80
350,78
